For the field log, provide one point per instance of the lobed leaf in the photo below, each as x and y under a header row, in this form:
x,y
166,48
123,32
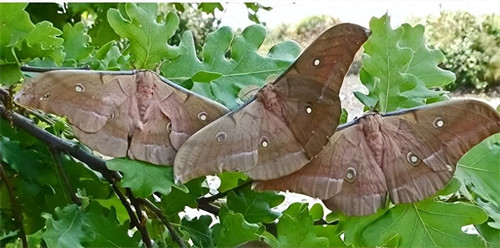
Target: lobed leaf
x,y
148,38
199,230
144,178
296,229
255,206
76,42
230,62
427,223
398,67
479,170
234,230
67,229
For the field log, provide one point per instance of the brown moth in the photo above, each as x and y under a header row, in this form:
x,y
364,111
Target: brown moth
x,y
409,155
286,124
136,114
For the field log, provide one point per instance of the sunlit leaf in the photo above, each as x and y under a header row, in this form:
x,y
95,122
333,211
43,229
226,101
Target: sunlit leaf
x,y
232,56
148,38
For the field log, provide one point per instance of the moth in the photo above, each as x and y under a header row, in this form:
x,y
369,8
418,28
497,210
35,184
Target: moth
x,y
286,124
408,155
136,114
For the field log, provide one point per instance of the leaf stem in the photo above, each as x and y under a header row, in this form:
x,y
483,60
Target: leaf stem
x,y
70,190
165,221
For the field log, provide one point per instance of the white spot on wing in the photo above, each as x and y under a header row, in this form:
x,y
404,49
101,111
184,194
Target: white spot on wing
x,y
79,88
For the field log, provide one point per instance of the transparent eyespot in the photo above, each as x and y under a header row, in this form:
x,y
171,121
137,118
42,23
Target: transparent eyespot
x,y
350,176
47,95
112,116
412,159
264,142
79,88
309,109
438,122
221,137
316,62
202,116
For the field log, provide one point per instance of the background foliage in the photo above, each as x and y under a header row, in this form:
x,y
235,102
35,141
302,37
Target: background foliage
x,y
471,46
87,212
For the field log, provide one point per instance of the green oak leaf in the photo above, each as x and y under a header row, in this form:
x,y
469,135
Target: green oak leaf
x,y
230,180
352,226
148,38
177,200
109,57
490,234
209,8
316,211
234,230
44,34
398,67
296,228
427,223
66,229
15,23
76,42
332,233
199,230
144,178
479,170
255,206
231,61
22,41
105,229
11,73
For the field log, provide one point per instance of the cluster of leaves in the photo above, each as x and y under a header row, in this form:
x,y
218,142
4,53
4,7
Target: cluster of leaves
x,y
42,182
471,46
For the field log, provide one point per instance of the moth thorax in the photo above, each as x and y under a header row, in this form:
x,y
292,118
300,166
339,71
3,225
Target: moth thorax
x,y
372,131
350,175
271,99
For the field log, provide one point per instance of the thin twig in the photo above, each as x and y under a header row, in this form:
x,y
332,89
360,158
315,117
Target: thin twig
x,y
56,155
221,194
164,220
133,218
16,208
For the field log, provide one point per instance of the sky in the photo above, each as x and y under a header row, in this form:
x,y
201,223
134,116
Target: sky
x,y
355,11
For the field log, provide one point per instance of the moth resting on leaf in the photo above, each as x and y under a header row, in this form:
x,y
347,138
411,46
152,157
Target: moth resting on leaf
x,y
286,124
136,114
408,155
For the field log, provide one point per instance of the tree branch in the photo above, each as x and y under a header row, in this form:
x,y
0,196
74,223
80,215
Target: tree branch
x,y
133,217
74,150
